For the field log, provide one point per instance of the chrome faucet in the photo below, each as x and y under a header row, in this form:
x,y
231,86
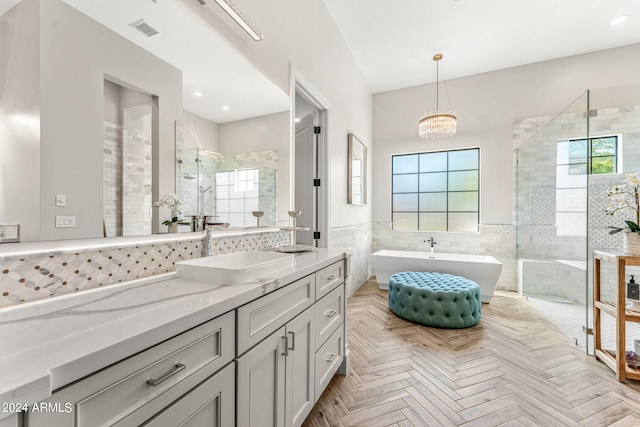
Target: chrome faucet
x,y
206,245
207,249
432,243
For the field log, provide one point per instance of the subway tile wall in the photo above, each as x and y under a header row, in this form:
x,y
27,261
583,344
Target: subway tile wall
x,y
357,241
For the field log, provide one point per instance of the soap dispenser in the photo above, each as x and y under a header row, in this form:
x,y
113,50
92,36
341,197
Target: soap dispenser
x,y
633,289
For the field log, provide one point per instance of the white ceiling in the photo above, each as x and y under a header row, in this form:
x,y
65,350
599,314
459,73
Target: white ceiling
x,y
393,41
209,64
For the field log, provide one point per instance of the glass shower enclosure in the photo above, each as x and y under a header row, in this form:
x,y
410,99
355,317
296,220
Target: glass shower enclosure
x,y
565,167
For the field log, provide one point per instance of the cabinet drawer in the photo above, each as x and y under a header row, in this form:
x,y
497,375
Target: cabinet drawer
x,y
329,314
259,318
328,278
328,360
211,404
125,395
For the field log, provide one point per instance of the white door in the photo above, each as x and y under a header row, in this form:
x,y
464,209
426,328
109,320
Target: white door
x,y
261,382
300,366
305,194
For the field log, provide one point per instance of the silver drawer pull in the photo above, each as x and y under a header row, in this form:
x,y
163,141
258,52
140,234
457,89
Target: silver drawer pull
x,y
333,276
177,368
331,358
285,340
330,313
293,341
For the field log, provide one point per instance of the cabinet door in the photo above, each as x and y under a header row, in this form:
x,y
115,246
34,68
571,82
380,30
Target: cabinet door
x,y
300,390
261,382
211,404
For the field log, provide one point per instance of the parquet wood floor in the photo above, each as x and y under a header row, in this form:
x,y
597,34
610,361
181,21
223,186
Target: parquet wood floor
x,y
514,368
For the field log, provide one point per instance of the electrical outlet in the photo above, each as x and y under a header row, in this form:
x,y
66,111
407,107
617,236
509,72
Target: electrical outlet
x,y
65,221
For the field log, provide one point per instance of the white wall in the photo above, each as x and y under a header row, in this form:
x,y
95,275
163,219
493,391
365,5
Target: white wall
x,y
200,132
76,55
270,132
303,33
19,118
487,105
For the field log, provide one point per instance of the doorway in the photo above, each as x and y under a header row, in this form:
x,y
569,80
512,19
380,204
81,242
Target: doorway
x,y
310,165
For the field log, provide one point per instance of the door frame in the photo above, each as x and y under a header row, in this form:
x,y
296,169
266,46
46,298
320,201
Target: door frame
x,y
298,84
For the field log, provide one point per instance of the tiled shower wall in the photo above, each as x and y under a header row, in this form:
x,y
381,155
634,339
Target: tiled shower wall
x,y
126,190
536,200
494,240
49,275
112,178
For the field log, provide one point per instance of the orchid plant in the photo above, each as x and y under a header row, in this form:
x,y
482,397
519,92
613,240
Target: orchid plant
x,y
172,202
624,197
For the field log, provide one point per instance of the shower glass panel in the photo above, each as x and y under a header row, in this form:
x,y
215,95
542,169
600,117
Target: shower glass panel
x,y
196,182
551,212
564,172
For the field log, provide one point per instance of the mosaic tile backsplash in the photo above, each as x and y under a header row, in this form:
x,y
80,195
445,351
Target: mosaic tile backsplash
x,y
50,275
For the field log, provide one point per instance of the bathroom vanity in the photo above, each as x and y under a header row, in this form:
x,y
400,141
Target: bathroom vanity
x,y
169,350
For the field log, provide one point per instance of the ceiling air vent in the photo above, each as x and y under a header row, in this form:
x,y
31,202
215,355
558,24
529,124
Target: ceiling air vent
x,y
144,28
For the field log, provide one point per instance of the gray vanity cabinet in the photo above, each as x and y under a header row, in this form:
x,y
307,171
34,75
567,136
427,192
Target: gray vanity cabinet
x,y
281,378
136,389
262,364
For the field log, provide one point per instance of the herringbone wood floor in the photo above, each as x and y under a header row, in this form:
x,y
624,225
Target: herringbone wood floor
x,y
512,369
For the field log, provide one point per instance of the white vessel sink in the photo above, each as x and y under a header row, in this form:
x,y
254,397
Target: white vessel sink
x,y
233,268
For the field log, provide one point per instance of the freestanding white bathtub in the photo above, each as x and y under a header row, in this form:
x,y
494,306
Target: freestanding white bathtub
x,y
484,270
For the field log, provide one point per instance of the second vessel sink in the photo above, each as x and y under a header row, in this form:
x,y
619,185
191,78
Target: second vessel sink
x,y
233,268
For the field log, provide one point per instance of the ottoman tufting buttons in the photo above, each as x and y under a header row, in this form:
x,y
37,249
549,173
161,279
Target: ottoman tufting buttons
x,y
428,294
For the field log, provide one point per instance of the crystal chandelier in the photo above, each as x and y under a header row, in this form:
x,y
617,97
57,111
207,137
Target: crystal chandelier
x,y
437,123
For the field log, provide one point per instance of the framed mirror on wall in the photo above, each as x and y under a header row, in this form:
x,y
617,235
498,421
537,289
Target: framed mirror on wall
x,y
357,171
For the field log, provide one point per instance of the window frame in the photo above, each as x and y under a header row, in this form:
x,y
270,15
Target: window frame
x,y
617,158
447,191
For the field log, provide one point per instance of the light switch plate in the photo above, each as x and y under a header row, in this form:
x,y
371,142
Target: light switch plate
x,y
61,200
65,221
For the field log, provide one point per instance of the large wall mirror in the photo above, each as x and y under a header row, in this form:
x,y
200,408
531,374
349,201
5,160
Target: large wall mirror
x,y
108,106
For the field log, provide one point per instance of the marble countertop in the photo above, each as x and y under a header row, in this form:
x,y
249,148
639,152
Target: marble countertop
x,y
47,344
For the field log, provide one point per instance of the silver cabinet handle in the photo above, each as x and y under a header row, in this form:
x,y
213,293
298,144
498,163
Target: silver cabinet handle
x,y
177,368
330,313
333,276
293,341
331,358
286,346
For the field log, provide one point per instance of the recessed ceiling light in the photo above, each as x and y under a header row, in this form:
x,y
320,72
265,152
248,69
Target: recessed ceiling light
x,y
297,120
196,93
619,20
226,108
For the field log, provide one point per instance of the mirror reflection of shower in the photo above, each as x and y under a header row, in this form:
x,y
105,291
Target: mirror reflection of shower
x,y
217,190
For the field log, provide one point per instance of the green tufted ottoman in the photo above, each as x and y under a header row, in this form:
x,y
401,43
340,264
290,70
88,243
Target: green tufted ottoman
x,y
435,299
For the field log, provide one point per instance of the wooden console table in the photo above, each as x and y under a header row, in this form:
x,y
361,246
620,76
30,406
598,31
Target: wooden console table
x,y
617,362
